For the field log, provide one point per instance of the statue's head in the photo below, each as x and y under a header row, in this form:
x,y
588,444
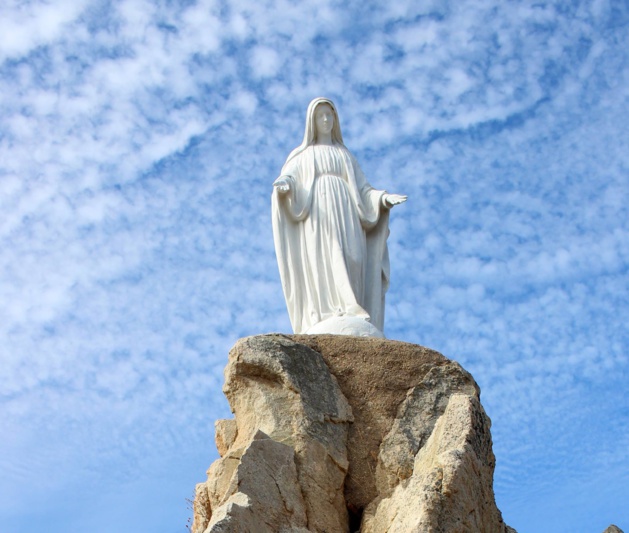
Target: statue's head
x,y
310,135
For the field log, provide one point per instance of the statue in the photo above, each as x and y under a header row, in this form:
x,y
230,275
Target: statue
x,y
330,229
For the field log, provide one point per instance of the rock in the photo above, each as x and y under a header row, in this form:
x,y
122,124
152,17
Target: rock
x,y
201,509
415,422
286,391
451,479
225,435
393,432
613,529
264,495
376,376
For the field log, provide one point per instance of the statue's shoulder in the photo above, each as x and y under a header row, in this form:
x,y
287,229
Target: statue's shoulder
x,y
341,147
296,154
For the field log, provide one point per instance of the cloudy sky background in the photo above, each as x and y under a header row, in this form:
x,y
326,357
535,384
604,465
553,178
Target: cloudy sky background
x,y
138,144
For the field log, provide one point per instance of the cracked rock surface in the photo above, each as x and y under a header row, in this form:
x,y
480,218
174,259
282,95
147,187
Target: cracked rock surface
x,y
337,434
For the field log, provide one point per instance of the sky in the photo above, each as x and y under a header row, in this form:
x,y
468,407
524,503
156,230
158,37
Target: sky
x,y
139,141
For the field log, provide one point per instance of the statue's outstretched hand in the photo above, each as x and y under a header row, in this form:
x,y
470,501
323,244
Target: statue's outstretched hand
x,y
282,186
394,199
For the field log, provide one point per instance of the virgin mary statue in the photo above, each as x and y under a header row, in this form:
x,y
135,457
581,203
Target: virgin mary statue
x,y
330,229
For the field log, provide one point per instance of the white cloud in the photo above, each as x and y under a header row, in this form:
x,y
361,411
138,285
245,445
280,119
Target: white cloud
x,y
244,101
137,152
202,31
27,25
265,62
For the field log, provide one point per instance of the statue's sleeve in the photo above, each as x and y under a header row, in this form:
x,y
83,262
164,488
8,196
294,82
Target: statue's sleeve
x,y
288,236
296,201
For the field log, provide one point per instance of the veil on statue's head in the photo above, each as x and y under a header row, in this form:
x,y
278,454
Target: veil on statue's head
x,y
310,134
311,128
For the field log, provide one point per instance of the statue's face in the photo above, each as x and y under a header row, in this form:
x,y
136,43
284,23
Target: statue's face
x,y
324,118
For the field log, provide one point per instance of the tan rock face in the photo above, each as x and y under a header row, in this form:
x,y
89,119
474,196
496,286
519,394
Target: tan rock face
x,y
377,376
392,431
224,434
284,391
265,495
451,479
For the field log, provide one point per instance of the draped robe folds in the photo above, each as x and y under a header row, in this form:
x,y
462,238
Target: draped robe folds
x,y
330,236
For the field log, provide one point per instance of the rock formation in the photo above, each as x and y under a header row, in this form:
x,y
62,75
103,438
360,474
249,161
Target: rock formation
x,y
336,434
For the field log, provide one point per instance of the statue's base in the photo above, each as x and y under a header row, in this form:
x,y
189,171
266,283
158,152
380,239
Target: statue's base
x,y
340,433
346,325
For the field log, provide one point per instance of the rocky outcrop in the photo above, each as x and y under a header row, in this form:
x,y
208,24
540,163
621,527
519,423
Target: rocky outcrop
x,y
284,457
336,433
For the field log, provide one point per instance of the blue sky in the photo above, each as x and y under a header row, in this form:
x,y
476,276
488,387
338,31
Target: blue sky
x,y
138,144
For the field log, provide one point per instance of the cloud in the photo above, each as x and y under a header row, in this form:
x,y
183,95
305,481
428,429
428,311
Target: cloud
x,y
265,62
27,25
138,145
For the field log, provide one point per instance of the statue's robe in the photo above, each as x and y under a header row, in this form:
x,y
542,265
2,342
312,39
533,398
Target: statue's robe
x,y
330,236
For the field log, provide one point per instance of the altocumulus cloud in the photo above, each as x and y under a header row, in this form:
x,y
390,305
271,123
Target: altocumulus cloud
x,y
138,143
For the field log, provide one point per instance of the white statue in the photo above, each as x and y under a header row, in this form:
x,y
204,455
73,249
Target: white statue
x,y
330,229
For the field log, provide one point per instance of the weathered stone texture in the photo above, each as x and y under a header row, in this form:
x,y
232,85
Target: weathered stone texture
x,y
451,480
392,431
285,391
378,376
264,493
